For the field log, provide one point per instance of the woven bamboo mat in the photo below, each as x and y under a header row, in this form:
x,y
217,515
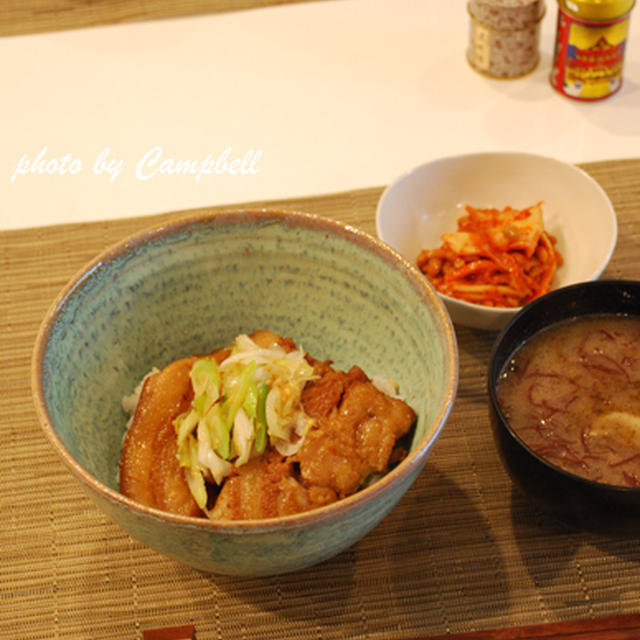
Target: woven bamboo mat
x,y
462,551
19,17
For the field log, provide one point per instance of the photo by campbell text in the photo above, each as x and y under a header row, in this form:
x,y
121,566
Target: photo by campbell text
x,y
152,163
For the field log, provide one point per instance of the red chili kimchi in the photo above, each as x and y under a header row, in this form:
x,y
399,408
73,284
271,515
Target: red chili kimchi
x,y
495,258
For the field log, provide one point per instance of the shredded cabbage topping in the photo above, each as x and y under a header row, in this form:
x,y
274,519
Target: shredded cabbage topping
x,y
250,398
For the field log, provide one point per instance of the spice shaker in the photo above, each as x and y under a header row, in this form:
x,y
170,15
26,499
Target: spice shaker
x,y
590,42
505,36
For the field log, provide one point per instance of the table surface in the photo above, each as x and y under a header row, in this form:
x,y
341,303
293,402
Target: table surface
x,y
319,97
462,551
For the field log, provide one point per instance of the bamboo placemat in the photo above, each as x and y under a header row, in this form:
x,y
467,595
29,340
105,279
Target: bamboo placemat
x,y
462,551
18,17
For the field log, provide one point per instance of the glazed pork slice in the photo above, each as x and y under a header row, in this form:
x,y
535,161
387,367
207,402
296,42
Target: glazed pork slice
x,y
149,469
325,394
354,436
266,487
353,439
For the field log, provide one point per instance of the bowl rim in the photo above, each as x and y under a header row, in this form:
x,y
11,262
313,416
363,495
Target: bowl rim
x,y
293,218
494,372
482,155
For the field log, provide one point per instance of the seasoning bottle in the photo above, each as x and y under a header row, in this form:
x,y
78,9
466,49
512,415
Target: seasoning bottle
x,y
589,53
504,36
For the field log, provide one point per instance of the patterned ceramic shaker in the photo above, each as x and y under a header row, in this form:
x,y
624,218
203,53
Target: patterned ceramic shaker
x,y
505,36
590,43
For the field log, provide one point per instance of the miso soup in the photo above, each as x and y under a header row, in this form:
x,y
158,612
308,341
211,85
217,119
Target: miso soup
x,y
572,394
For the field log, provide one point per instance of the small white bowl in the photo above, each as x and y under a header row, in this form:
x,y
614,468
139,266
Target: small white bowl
x,y
417,208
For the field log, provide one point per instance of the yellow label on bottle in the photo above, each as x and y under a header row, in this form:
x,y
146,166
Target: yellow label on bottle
x,y
589,57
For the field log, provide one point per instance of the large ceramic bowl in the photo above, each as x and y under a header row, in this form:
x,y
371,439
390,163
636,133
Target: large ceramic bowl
x,y
417,208
191,286
572,499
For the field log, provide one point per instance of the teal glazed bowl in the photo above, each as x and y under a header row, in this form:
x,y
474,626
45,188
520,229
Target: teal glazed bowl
x,y
190,286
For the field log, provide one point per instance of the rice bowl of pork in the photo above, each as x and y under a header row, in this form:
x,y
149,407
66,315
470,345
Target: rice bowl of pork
x,y
190,286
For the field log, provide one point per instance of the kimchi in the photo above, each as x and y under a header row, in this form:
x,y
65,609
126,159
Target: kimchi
x,y
496,258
